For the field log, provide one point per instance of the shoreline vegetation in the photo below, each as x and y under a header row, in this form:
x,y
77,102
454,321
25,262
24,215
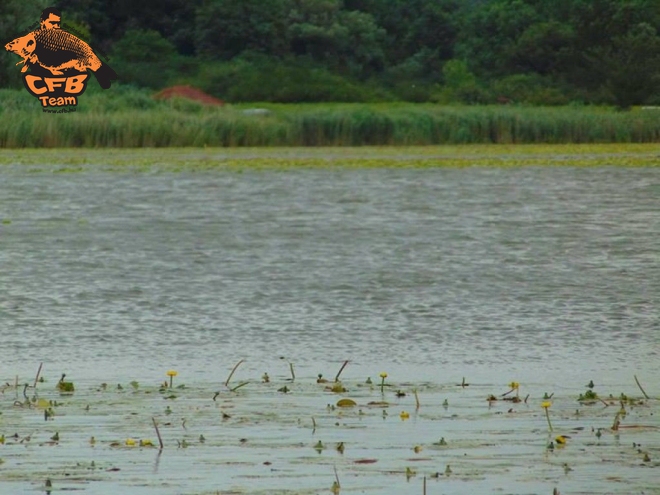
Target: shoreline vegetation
x,y
127,117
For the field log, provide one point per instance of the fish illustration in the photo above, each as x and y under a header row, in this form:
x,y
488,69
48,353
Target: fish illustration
x,y
57,50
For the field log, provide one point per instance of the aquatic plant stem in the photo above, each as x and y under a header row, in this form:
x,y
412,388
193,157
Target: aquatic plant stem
x,y
160,440
234,389
547,416
293,375
416,399
337,477
340,370
36,378
640,387
232,372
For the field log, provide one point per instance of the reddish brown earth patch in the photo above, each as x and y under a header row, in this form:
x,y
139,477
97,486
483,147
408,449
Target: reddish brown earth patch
x,y
188,92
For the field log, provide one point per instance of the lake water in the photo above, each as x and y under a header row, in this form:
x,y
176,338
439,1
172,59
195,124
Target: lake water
x,y
522,272
549,276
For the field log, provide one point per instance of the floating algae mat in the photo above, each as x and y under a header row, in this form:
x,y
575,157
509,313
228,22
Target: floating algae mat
x,y
456,156
306,435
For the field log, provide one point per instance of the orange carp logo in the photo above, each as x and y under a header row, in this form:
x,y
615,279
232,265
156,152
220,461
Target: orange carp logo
x,y
58,63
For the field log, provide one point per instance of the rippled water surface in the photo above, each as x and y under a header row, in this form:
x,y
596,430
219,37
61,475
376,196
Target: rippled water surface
x,y
545,275
457,270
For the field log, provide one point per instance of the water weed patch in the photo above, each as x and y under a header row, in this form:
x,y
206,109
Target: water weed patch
x,y
101,437
67,161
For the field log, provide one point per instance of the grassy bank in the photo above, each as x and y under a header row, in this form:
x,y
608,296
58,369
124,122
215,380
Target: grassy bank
x,y
124,117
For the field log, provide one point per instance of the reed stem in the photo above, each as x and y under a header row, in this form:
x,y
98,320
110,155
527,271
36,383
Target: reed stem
x,y
36,378
640,387
232,372
160,440
340,370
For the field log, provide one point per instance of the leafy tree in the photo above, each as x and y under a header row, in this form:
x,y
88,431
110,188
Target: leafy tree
x,y
544,48
256,77
602,28
226,28
460,84
348,42
109,20
490,33
630,65
415,27
145,58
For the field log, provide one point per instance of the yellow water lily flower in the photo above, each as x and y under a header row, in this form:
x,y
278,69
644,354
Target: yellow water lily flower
x,y
171,374
560,439
130,442
514,385
383,375
404,415
546,406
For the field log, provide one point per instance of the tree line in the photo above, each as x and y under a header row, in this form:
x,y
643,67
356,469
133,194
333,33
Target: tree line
x,y
467,51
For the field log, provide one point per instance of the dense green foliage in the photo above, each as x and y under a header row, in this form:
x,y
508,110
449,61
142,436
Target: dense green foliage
x,y
129,117
467,51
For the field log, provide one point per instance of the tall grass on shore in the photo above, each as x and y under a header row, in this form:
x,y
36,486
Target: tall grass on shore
x,y
131,118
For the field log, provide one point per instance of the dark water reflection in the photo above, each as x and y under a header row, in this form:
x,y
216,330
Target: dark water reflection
x,y
495,271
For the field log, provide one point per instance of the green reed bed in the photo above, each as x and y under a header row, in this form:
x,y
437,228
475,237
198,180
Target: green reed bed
x,y
131,118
